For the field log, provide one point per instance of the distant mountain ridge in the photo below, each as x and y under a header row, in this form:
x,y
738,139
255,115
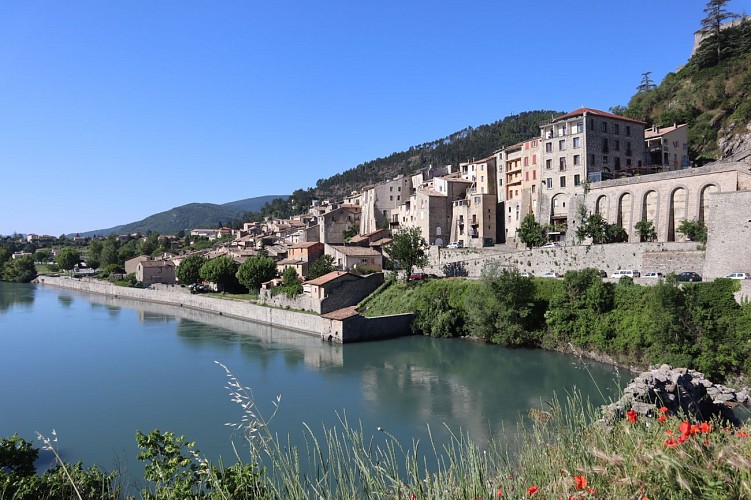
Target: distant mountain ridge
x,y
190,216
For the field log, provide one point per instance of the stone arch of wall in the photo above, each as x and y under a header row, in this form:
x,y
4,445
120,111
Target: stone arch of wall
x,y
703,200
677,211
650,209
558,207
625,210
601,206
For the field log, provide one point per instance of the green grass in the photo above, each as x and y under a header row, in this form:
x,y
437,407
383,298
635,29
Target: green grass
x,y
400,297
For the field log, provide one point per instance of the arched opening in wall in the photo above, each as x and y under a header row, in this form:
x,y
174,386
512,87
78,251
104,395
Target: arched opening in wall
x,y
676,214
558,214
439,242
703,201
624,212
601,207
649,208
438,231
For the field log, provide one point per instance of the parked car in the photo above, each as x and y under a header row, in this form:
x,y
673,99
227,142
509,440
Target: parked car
x,y
551,274
620,273
417,276
739,276
688,276
550,244
652,275
603,274
455,244
525,274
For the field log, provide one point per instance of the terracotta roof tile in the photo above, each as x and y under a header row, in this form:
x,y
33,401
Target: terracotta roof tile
x,y
596,112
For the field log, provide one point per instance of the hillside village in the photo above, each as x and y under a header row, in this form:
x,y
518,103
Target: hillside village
x,y
609,164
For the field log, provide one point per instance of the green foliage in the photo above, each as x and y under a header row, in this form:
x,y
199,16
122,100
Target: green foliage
x,y
323,265
435,316
408,250
42,256
646,230
693,230
502,310
20,270
189,270
169,464
67,258
596,227
17,456
255,271
18,479
222,271
531,232
291,283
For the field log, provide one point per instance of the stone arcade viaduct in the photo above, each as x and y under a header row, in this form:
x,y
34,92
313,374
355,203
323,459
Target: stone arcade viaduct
x,y
666,198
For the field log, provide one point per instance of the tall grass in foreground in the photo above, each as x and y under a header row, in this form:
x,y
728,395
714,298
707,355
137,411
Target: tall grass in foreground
x,y
561,452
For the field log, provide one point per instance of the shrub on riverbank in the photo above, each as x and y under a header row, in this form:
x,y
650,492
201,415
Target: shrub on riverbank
x,y
699,326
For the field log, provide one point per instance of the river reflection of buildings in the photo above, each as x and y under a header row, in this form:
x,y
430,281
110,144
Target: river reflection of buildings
x,y
201,326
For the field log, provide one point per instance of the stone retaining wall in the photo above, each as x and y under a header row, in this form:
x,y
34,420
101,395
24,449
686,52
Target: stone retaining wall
x,y
644,257
340,331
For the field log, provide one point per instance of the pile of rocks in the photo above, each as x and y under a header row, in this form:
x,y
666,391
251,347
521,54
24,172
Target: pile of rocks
x,y
682,391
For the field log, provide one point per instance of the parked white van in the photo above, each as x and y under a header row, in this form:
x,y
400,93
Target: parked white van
x,y
631,273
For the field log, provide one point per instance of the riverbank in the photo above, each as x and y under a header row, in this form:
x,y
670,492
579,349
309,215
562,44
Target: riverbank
x,y
344,326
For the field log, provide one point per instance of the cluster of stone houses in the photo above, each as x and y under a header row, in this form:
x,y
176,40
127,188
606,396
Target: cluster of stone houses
x,y
609,163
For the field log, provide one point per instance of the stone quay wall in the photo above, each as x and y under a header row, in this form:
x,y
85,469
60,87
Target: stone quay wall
x,y
643,257
343,331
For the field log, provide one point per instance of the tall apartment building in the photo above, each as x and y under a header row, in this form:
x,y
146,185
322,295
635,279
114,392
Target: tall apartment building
x,y
522,165
585,145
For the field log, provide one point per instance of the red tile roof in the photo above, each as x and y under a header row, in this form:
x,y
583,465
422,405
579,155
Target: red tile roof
x,y
322,280
596,112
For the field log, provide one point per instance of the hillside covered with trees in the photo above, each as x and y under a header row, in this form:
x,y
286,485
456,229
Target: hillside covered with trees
x,y
710,93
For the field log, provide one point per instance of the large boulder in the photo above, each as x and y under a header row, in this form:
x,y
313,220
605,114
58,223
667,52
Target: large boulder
x,y
682,391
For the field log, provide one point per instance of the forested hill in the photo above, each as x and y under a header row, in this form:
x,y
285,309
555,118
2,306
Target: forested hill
x,y
465,145
712,93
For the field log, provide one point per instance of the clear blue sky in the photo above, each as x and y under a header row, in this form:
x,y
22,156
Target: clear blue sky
x,y
113,111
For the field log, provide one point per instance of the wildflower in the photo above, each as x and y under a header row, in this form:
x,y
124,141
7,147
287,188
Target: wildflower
x,y
592,491
742,434
631,416
685,428
694,429
532,490
412,496
705,428
670,443
683,438
500,493
664,409
669,432
662,418
581,482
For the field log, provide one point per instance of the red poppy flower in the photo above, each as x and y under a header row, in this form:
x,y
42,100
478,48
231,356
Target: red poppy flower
x,y
592,491
412,496
683,438
532,490
631,416
670,443
705,428
742,434
500,493
664,409
694,429
669,432
662,418
685,428
581,482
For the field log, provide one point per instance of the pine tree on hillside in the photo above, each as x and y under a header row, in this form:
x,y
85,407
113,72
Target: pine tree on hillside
x,y
711,26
